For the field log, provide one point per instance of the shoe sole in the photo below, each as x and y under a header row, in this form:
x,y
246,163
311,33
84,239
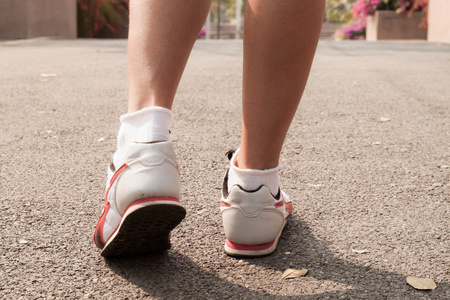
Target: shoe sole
x,y
234,249
145,227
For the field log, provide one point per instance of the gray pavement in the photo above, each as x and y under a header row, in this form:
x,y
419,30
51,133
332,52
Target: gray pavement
x,y
357,181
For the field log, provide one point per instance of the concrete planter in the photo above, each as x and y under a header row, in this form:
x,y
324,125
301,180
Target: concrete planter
x,y
388,25
23,19
439,21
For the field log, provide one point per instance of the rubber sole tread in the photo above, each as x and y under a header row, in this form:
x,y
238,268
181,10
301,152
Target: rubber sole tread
x,y
145,230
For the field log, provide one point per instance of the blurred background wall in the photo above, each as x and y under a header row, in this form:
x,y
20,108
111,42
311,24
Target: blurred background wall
x,y
23,19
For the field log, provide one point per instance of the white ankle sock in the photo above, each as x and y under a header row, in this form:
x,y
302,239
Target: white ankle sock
x,y
150,124
251,179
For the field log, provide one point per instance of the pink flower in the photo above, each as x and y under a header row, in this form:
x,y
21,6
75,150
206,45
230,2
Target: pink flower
x,y
202,32
363,8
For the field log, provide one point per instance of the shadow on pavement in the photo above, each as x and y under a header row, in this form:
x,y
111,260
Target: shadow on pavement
x,y
365,282
172,275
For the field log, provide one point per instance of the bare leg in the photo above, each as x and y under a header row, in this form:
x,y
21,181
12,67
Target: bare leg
x,y
161,37
280,40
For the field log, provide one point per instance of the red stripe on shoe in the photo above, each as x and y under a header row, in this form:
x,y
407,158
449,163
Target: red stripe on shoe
x,y
144,201
224,204
279,203
99,228
289,207
98,233
153,200
237,246
117,173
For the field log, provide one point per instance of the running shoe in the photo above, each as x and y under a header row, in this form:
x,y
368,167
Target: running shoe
x,y
253,220
142,203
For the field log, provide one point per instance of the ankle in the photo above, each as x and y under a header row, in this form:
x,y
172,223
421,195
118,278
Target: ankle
x,y
151,124
244,160
252,179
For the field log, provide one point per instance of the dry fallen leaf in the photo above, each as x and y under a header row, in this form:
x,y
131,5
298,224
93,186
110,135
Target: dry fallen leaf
x,y
360,251
421,283
292,273
47,112
314,185
48,75
383,119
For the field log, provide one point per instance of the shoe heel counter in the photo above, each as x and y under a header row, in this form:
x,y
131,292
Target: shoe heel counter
x,y
143,181
251,220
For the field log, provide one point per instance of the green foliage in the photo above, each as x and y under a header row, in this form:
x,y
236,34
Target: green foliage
x,y
339,10
227,9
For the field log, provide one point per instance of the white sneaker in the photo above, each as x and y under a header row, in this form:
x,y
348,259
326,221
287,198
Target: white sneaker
x,y
253,220
142,202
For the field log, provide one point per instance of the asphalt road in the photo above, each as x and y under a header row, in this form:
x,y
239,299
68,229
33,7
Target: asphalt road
x,y
366,163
